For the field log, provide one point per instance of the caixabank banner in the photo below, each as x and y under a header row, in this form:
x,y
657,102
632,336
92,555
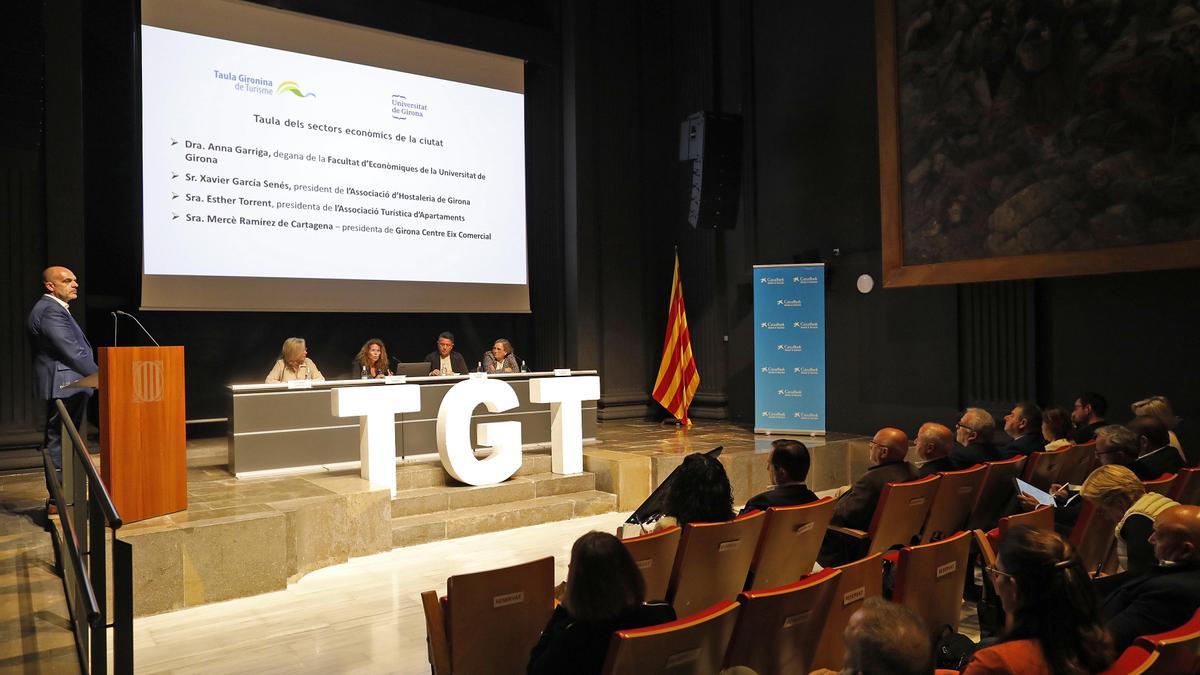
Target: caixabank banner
x,y
789,348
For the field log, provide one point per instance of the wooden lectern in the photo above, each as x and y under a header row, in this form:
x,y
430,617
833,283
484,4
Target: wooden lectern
x,y
143,450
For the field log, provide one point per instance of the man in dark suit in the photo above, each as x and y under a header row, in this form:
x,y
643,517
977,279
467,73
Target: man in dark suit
x,y
61,355
974,435
1165,596
1024,426
934,442
444,360
856,506
788,468
1155,454
1088,415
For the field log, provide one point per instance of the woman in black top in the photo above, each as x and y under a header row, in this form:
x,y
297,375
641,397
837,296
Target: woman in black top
x,y
604,593
371,363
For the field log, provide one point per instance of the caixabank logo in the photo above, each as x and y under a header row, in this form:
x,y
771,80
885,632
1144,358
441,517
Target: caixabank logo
x,y
804,280
772,325
404,108
772,281
773,370
790,393
789,348
805,325
806,371
774,415
782,302
806,415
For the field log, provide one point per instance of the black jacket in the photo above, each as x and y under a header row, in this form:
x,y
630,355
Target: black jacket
x,y
1161,599
1031,442
1087,432
792,494
936,466
456,360
570,646
967,456
1157,462
856,507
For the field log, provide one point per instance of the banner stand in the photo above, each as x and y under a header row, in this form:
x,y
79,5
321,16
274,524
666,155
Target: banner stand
x,y
789,349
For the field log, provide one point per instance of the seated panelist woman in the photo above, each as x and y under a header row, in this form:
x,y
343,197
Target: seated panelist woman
x,y
371,362
294,364
500,359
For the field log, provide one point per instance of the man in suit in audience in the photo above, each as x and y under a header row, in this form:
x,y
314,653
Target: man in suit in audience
x,y
446,361
1088,415
934,442
856,506
1024,426
1155,453
885,637
974,435
788,468
1167,595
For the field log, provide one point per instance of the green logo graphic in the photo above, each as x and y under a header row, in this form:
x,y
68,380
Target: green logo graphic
x,y
292,87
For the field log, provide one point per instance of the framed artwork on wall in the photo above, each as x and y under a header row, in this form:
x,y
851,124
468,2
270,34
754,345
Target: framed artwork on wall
x,y
1022,139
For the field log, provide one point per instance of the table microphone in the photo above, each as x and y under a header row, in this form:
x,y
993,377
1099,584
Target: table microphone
x,y
139,323
114,316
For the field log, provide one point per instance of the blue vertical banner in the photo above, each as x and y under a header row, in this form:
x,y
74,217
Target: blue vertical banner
x,y
789,348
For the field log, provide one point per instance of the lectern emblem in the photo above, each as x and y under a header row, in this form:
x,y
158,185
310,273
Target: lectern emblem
x,y
147,381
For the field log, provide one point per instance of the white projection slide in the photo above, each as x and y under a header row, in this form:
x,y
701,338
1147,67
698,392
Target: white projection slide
x,y
264,163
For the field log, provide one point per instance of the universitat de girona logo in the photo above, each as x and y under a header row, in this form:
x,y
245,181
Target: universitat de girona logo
x,y
147,381
290,87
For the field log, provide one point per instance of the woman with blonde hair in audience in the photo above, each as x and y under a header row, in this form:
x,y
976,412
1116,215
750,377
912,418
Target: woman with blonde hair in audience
x,y
1118,493
1160,407
293,363
1053,623
1056,427
604,593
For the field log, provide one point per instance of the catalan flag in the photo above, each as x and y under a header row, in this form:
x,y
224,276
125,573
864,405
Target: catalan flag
x,y
677,379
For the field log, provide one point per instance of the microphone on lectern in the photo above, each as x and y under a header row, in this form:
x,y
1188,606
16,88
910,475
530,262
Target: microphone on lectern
x,y
139,323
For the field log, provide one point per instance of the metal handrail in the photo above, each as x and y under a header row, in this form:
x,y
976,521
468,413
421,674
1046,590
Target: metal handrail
x,y
80,448
81,577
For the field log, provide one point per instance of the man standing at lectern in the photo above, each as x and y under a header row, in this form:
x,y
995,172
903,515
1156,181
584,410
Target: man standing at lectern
x,y
61,355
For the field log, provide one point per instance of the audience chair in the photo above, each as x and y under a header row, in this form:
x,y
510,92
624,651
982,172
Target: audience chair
x,y
898,517
1135,660
654,554
712,562
1187,487
489,621
1162,485
952,503
1042,468
860,579
693,644
1042,518
1178,650
1078,463
1094,540
930,579
995,493
789,543
778,628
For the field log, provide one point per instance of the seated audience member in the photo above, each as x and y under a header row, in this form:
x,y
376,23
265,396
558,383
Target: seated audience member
x,y
788,469
500,359
885,638
293,363
1088,416
1160,407
974,435
857,505
1024,426
444,360
1117,492
1167,595
1056,427
700,493
1155,453
1053,626
1116,444
604,593
934,442
371,362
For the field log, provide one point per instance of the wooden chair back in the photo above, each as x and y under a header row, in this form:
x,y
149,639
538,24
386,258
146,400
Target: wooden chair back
x,y
712,562
995,493
1135,660
860,580
1187,487
1042,518
693,644
930,578
778,628
1178,650
489,620
1094,540
1162,485
1078,463
789,543
901,512
952,502
1042,468
654,554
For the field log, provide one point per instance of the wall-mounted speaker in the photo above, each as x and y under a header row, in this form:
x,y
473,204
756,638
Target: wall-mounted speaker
x,y
713,143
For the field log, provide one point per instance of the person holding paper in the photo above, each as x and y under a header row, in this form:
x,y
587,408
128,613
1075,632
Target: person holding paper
x,y
371,363
61,355
293,363
500,359
446,361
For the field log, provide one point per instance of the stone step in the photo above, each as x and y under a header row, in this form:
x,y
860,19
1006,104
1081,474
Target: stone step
x,y
420,529
521,487
429,473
